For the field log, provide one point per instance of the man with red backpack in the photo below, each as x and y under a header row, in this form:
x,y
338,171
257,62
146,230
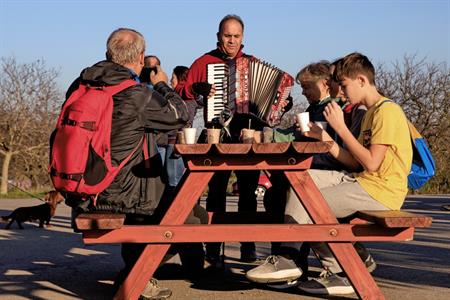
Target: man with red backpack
x,y
137,112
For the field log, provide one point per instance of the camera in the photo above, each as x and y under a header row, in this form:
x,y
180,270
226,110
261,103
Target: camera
x,y
145,74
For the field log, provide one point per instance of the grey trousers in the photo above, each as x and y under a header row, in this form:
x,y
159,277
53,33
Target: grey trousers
x,y
343,194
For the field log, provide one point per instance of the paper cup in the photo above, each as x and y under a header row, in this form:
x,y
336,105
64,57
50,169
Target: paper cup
x,y
189,135
267,135
303,120
180,138
322,124
213,135
248,136
258,136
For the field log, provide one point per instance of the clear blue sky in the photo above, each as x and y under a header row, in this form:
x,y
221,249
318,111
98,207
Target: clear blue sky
x,y
71,35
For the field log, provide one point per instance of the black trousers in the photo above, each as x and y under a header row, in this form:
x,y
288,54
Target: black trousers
x,y
216,201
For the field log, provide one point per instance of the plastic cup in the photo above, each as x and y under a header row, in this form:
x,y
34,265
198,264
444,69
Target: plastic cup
x,y
213,135
248,136
303,120
189,135
322,124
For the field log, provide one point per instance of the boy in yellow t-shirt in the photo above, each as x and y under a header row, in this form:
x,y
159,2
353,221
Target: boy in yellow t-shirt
x,y
383,149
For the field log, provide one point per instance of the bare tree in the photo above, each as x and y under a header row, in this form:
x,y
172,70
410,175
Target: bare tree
x,y
28,100
423,91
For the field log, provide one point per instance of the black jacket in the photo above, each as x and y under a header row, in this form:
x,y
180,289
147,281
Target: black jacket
x,y
137,111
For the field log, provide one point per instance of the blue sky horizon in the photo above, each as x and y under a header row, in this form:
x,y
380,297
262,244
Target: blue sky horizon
x,y
71,35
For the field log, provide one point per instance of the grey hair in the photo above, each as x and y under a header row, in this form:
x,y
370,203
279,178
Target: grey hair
x,y
124,46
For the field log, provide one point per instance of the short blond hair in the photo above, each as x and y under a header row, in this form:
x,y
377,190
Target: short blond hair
x,y
314,72
124,46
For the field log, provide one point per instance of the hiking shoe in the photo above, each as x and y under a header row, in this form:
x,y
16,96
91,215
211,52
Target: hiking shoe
x,y
154,292
327,284
276,268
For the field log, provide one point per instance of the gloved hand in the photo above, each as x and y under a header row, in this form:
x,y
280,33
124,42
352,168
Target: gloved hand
x,y
201,88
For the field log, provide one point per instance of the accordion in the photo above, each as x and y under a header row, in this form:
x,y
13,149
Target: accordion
x,y
248,86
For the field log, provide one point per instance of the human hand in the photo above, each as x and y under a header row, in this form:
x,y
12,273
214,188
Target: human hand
x,y
334,116
286,104
158,76
212,91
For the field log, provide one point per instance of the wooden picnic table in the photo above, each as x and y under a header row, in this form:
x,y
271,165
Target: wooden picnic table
x,y
294,159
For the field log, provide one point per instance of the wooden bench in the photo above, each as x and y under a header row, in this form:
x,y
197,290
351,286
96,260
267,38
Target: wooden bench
x,y
387,219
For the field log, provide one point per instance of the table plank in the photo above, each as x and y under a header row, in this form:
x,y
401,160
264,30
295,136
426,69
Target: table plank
x,y
312,147
271,148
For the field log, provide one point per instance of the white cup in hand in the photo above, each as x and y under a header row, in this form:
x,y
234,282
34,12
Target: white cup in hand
x,y
303,120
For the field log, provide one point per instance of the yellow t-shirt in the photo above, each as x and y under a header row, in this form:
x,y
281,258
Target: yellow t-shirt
x,y
385,123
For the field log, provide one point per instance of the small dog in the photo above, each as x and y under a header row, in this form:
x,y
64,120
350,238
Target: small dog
x,y
42,212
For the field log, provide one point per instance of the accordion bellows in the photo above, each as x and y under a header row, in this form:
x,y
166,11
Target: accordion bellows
x,y
248,85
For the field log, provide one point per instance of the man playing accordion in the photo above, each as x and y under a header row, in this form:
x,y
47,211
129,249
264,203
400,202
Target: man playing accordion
x,y
229,49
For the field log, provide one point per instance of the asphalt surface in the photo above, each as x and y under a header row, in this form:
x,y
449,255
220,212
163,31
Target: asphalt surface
x,y
53,263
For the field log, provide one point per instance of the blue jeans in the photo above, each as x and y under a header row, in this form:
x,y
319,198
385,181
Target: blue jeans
x,y
174,165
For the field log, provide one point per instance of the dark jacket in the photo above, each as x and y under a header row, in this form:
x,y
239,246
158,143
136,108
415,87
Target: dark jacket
x,y
137,111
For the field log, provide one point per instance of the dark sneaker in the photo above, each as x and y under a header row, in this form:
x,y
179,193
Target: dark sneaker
x,y
371,265
154,292
327,284
213,261
275,269
365,256
248,252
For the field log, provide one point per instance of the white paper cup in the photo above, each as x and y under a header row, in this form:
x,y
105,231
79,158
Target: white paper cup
x,y
303,120
322,124
189,135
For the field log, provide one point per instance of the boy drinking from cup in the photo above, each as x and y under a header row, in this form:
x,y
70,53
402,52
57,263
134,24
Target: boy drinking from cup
x,y
383,149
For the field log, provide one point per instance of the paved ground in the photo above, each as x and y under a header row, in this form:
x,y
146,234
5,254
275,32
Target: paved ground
x,y
53,263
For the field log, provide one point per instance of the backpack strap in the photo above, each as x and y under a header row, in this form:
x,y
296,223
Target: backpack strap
x,y
114,89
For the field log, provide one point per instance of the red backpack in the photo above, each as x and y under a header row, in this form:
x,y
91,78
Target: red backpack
x,y
80,155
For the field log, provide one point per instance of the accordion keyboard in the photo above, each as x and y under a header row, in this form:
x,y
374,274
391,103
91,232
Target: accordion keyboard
x,y
217,74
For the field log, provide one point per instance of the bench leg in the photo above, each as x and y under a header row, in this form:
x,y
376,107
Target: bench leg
x,y
364,284
152,255
142,271
320,212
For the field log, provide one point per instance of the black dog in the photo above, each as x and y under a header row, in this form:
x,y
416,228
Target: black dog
x,y
42,212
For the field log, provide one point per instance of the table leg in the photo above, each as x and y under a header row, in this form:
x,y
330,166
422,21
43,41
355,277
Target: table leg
x,y
151,257
345,254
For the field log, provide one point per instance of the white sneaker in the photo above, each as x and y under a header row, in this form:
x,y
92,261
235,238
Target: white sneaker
x,y
275,269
